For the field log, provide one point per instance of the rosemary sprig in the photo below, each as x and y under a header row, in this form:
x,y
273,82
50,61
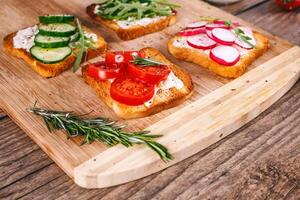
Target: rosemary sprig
x,y
241,34
98,129
145,62
134,9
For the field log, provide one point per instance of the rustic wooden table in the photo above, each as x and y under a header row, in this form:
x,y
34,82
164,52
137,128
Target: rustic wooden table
x,y
259,161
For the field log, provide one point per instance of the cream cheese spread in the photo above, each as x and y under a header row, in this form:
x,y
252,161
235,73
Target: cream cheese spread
x,y
125,24
92,36
24,39
170,82
182,43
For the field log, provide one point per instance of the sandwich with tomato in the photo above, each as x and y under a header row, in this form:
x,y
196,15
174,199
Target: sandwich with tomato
x,y
138,83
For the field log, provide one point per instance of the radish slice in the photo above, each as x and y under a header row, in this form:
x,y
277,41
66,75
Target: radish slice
x,y
248,32
234,23
201,42
223,36
225,55
208,33
197,24
213,26
191,32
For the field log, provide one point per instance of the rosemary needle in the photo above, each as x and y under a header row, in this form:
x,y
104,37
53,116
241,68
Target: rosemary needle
x,y
98,129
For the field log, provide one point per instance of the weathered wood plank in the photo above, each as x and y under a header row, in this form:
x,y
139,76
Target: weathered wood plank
x,y
258,175
275,21
19,155
25,185
242,6
260,160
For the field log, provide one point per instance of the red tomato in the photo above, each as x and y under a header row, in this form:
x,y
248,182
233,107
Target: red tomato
x,y
288,4
149,74
101,71
113,57
131,91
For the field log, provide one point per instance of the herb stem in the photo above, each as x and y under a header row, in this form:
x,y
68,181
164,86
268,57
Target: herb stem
x,y
98,129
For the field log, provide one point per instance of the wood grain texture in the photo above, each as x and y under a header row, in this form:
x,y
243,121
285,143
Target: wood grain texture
x,y
257,172
241,6
71,157
258,161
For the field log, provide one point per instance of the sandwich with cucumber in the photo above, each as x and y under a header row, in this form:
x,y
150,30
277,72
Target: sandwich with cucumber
x,y
54,45
131,19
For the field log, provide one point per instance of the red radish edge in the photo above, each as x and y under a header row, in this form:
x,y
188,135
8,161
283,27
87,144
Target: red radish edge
x,y
201,42
191,32
220,53
213,26
223,36
208,33
197,24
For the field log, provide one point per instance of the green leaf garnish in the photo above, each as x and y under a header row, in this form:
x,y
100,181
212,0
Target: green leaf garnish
x,y
98,129
134,9
83,44
144,62
241,34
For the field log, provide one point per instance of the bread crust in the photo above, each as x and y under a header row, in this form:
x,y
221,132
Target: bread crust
x,y
164,99
50,70
132,32
202,59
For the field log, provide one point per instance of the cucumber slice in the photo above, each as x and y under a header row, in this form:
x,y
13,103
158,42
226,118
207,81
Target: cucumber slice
x,y
57,30
49,19
50,55
75,37
51,42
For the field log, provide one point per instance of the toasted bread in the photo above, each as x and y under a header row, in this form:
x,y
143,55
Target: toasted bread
x,y
134,31
51,70
200,58
163,99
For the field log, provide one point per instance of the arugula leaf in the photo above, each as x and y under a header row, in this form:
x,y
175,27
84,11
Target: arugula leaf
x,y
134,9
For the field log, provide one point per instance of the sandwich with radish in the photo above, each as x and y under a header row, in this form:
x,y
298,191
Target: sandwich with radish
x,y
136,84
224,47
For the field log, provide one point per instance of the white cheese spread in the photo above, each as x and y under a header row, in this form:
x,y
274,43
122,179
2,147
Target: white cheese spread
x,y
171,81
125,24
182,43
92,36
24,39
96,9
149,103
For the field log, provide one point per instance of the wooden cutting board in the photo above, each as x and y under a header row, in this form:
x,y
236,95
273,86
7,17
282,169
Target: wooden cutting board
x,y
217,108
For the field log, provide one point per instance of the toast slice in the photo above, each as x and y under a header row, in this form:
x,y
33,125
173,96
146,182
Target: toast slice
x,y
201,58
162,100
133,31
51,70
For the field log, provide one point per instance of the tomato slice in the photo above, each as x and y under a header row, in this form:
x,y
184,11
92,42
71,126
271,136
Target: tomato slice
x,y
115,57
131,91
149,74
101,71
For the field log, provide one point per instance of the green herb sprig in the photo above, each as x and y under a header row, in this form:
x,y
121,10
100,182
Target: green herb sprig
x,y
145,62
83,44
134,9
241,34
98,129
